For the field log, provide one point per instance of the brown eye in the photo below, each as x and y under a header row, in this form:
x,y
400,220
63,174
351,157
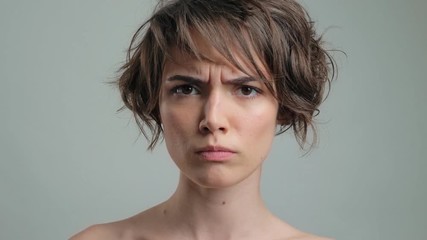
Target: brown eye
x,y
248,91
185,90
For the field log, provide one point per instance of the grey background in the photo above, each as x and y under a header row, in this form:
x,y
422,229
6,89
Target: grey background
x,y
68,160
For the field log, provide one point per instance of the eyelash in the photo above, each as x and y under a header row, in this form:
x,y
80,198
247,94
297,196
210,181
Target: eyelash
x,y
179,90
254,90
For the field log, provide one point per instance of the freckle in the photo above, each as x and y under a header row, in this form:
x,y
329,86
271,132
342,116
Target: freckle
x,y
164,212
223,203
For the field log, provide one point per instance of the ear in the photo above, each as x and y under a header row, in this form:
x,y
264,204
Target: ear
x,y
282,121
283,118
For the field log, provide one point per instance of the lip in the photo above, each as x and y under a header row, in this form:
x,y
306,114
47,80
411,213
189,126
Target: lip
x,y
215,153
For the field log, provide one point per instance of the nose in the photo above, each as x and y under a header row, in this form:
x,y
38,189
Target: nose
x,y
214,119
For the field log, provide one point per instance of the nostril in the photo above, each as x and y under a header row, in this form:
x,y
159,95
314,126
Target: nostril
x,y
204,128
211,125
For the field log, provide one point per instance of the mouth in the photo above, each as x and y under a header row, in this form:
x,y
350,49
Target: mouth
x,y
215,153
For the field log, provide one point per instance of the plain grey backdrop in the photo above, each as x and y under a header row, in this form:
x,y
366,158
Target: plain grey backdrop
x,y
68,160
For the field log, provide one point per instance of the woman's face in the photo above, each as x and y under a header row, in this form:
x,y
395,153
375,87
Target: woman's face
x,y
218,123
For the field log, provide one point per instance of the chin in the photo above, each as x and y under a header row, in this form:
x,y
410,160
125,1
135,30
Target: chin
x,y
214,183
216,179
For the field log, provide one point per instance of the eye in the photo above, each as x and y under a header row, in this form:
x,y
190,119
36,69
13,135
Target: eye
x,y
185,90
248,91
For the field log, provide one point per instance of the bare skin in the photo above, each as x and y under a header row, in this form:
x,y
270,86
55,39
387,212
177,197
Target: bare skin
x,y
218,127
208,216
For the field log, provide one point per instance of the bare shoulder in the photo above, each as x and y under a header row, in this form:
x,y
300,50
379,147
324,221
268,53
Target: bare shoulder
x,y
120,230
289,232
99,231
310,237
316,238
139,227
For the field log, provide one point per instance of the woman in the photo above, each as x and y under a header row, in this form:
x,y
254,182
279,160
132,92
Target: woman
x,y
217,80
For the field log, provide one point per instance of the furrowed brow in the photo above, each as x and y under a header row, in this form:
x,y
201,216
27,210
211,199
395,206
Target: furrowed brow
x,y
188,79
241,80
193,80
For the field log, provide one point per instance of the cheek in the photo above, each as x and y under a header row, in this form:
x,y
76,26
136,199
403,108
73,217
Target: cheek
x,y
173,135
263,119
178,122
260,127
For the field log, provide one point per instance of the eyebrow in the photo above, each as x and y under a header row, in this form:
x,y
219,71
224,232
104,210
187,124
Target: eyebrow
x,y
187,79
194,80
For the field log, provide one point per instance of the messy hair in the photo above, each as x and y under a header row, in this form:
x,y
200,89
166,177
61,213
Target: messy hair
x,y
279,32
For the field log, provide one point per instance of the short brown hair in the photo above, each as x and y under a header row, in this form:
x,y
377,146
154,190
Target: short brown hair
x,y
279,31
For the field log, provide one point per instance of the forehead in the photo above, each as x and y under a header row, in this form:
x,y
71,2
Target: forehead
x,y
182,61
203,50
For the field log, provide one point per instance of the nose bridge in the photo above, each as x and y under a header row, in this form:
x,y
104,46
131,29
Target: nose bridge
x,y
212,107
213,118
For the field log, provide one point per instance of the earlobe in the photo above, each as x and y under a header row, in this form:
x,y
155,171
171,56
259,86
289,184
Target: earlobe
x,y
284,116
282,119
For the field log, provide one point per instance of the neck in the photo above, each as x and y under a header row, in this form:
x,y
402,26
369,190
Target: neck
x,y
212,213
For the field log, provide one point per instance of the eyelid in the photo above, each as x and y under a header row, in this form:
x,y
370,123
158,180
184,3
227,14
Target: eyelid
x,y
180,86
255,91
